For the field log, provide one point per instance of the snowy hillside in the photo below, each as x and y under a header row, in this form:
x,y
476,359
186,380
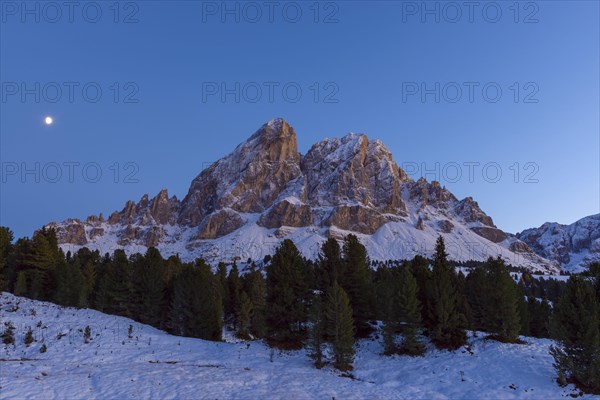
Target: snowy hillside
x,y
153,364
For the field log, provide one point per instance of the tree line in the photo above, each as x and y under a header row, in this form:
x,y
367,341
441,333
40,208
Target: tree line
x,y
294,302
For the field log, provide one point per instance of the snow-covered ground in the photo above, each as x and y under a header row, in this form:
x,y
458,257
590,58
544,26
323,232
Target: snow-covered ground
x,y
153,364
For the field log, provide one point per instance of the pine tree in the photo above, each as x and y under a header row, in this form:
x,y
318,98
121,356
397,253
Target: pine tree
x,y
409,314
524,314
41,261
89,282
149,288
70,286
390,314
577,328
594,269
503,312
87,334
223,286
244,316
460,282
256,293
101,296
8,336
120,284
356,283
330,265
477,288
340,327
6,238
196,305
21,285
28,337
287,293
540,317
316,331
422,274
447,330
235,290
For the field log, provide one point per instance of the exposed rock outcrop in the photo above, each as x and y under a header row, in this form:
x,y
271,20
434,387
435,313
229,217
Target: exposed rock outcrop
x,y
285,213
219,224
492,234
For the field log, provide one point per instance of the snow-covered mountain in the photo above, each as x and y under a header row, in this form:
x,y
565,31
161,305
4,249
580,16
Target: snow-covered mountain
x,y
244,204
149,363
572,246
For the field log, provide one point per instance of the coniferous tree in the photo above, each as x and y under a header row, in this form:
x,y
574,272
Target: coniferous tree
x,y
422,274
503,312
330,265
196,307
540,317
594,269
211,306
8,335
149,287
87,334
244,316
70,289
28,337
223,285
256,293
477,288
101,294
235,291
391,324
287,293
120,283
316,330
356,283
40,261
6,238
447,323
460,282
524,315
409,313
89,282
340,327
21,285
113,291
577,328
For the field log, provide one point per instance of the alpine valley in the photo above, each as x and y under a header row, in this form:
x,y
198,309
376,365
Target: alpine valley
x,y
265,191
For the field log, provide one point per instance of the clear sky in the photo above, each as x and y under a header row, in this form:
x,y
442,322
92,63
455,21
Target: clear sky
x,y
476,88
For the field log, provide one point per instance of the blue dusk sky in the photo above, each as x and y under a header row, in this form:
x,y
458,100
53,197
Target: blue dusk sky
x,y
497,100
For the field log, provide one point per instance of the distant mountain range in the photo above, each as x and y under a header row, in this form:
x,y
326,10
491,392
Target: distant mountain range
x,y
573,246
244,204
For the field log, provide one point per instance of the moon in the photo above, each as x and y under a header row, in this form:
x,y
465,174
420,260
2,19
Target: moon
x,y
48,120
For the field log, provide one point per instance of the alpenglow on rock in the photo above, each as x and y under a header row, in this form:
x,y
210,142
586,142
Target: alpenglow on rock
x,y
244,204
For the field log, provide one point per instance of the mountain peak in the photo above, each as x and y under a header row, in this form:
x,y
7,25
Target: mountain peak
x,y
277,123
265,190
276,128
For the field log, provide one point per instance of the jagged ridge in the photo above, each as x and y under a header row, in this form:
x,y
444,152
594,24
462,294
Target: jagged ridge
x,y
265,190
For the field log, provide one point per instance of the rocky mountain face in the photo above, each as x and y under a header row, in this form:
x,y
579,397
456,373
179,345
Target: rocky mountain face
x,y
572,246
265,190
